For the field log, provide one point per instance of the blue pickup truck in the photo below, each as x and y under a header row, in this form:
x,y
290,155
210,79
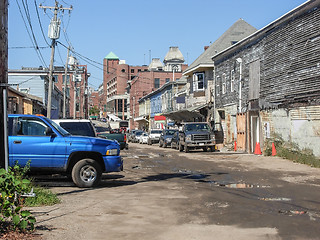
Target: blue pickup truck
x,y
50,148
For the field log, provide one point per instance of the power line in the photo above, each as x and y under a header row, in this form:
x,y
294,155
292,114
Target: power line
x,y
34,43
44,37
27,47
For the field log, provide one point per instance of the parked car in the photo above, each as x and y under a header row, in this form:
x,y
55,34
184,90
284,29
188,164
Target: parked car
x,y
196,135
166,137
136,136
143,138
78,127
103,130
131,135
154,136
175,140
51,149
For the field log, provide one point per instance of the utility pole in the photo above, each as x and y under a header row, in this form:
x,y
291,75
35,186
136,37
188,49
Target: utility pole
x,y
65,84
3,83
53,33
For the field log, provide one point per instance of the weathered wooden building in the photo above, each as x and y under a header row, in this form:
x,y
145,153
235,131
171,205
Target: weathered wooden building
x,y
269,83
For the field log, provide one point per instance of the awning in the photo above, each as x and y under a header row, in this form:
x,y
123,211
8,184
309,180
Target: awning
x,y
113,117
140,119
187,114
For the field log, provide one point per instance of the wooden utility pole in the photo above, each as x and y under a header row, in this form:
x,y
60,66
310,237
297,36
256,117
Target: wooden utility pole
x,y
54,32
3,82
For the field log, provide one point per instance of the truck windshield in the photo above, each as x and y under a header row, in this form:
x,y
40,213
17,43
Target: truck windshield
x,y
197,127
79,128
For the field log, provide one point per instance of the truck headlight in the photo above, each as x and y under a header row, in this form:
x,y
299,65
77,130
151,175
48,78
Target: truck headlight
x,y
188,137
212,137
112,152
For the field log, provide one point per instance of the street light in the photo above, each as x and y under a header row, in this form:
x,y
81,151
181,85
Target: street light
x,y
239,60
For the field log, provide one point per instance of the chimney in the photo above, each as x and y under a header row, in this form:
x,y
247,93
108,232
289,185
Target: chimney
x,y
205,48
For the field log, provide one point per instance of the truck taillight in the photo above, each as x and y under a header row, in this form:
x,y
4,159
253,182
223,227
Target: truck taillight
x,y
125,137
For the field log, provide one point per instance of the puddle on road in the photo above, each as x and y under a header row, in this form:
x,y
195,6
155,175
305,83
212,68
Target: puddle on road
x,y
237,185
292,212
276,199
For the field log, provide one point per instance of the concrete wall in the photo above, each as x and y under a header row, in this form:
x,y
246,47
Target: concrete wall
x,y
299,125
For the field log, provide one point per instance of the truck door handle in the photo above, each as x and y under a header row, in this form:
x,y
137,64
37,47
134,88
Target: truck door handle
x,y
17,142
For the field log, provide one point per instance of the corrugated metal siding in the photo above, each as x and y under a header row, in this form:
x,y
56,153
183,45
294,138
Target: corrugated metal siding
x,y
306,113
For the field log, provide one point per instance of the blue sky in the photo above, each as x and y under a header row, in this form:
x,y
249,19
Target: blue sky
x,y
130,29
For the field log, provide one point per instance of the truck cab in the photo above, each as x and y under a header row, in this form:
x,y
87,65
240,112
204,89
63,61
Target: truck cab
x,y
195,135
49,148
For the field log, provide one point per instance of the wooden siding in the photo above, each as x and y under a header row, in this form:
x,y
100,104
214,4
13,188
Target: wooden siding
x,y
291,61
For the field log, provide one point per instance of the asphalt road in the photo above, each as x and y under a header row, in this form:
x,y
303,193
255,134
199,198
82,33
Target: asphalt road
x,y
165,194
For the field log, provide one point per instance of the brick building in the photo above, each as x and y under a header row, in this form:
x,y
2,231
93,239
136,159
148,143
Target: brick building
x,y
124,85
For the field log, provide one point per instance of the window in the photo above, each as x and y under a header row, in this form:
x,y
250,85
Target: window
x,y
132,70
167,80
198,82
55,78
156,82
224,84
31,127
218,80
68,79
232,76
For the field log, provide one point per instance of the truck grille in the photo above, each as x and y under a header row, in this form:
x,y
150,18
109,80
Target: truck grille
x,y
200,137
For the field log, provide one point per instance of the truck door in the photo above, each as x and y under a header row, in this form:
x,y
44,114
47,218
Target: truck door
x,y
29,142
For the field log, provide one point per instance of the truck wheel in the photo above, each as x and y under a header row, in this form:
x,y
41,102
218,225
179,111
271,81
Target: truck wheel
x,y
180,147
86,173
211,149
186,149
205,149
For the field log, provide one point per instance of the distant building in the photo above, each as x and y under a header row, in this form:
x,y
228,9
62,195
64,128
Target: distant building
x,y
124,85
34,81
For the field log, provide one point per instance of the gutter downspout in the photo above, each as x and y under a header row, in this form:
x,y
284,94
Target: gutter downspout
x,y
239,60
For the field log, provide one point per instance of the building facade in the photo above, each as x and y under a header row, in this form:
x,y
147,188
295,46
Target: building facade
x,y
267,85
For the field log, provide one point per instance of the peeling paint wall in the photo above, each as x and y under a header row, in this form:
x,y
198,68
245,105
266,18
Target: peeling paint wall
x,y
301,129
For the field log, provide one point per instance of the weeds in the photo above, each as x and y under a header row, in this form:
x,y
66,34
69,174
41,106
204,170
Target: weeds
x,y
44,197
291,151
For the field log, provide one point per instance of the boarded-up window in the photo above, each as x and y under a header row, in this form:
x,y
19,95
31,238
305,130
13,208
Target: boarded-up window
x,y
254,80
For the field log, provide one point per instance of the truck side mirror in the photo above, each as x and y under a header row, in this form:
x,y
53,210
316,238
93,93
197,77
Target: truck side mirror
x,y
50,132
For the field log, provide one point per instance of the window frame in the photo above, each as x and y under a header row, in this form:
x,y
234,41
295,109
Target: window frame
x,y
196,82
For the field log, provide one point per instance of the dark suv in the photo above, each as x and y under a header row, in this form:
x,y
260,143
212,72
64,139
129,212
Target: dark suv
x,y
195,135
166,137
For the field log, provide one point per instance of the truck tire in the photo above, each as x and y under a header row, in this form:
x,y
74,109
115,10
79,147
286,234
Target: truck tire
x,y
212,149
86,173
205,149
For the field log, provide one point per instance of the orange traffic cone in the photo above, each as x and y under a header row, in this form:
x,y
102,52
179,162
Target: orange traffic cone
x,y
235,146
274,151
257,150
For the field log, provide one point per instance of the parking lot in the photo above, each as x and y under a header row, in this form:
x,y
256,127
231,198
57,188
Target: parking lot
x,y
166,194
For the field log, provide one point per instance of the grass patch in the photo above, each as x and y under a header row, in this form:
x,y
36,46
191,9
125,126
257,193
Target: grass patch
x,y
291,151
44,197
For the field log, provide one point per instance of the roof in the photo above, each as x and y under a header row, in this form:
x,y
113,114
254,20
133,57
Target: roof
x,y
302,9
174,54
111,55
238,31
155,64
